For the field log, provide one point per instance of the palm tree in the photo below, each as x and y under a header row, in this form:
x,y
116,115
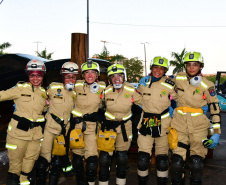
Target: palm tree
x,y
4,46
44,54
178,62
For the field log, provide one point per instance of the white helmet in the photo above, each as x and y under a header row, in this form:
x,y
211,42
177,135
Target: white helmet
x,y
35,65
69,67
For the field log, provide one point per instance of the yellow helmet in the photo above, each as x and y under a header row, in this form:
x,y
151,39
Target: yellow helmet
x,y
90,65
116,69
160,61
193,57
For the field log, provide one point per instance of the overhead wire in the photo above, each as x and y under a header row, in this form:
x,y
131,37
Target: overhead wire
x,y
149,25
1,1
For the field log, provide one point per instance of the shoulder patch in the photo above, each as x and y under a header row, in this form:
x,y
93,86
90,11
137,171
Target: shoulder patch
x,y
169,81
212,91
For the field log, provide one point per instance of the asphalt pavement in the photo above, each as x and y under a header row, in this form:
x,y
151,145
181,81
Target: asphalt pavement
x,y
214,172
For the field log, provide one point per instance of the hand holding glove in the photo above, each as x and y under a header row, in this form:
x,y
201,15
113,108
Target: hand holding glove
x,y
144,80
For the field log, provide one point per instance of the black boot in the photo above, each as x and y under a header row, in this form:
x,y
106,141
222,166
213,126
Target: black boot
x,y
53,180
162,180
12,179
142,180
41,170
78,165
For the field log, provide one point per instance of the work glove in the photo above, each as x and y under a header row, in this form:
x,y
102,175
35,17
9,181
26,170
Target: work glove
x,y
205,109
144,80
215,138
171,111
207,142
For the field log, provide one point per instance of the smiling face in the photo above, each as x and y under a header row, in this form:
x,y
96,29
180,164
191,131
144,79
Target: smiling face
x,y
117,78
157,71
193,68
70,78
90,76
35,78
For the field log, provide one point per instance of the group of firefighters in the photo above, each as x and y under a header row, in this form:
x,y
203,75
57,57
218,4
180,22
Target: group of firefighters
x,y
77,125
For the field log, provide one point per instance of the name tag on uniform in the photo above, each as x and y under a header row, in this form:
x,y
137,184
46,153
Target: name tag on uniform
x,y
82,94
149,94
59,97
27,95
110,100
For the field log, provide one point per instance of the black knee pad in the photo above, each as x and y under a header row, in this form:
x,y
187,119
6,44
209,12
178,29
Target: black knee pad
x,y
91,168
162,163
78,163
56,166
196,167
121,161
143,161
177,169
104,162
41,166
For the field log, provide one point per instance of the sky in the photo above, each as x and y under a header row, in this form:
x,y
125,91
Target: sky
x,y
166,25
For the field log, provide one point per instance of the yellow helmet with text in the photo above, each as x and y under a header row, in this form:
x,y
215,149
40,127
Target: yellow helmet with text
x,y
90,65
160,61
117,69
193,57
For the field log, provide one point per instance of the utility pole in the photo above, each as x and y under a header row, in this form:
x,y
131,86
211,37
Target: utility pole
x,y
145,57
88,28
37,45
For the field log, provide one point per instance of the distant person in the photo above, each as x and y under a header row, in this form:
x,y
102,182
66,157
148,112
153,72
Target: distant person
x,y
194,91
116,130
61,102
157,94
87,104
25,130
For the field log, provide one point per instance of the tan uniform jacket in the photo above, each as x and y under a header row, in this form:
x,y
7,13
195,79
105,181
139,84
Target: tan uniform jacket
x,y
195,97
86,102
61,103
156,99
30,103
118,104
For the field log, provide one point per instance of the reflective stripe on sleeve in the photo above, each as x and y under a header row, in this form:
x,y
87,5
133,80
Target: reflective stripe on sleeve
x,y
108,90
76,113
57,87
78,84
204,85
9,127
181,78
165,115
127,117
167,85
129,89
102,86
109,115
11,147
216,126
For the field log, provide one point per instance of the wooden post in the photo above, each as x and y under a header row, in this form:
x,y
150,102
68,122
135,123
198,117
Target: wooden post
x,y
79,49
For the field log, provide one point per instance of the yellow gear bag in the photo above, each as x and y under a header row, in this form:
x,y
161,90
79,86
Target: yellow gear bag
x,y
76,139
106,140
59,146
172,138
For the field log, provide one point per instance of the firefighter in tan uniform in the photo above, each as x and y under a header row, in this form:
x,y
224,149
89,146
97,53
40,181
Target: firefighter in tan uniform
x,y
157,95
25,128
61,103
116,129
194,91
87,104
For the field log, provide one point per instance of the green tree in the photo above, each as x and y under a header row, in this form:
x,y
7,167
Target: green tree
x,y
134,69
178,61
4,46
44,54
117,58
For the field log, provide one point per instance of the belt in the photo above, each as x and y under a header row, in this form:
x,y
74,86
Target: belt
x,y
189,109
107,124
26,124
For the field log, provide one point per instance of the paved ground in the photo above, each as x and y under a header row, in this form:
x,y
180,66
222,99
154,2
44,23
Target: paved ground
x,y
214,169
